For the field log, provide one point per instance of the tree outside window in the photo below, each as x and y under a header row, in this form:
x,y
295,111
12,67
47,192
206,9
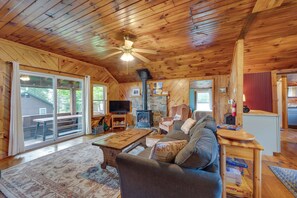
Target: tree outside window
x,y
99,100
63,101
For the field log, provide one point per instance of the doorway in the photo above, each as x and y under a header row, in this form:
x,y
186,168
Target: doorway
x,y
52,108
287,100
292,100
201,98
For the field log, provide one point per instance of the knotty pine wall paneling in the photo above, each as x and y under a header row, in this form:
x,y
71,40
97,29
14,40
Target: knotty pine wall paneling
x,y
36,60
5,89
42,61
179,90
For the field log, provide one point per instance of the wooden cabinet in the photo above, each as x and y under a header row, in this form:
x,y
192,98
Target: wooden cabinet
x,y
118,121
248,150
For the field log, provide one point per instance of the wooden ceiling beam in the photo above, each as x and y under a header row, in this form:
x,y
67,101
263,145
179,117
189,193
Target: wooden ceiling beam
x,y
250,19
262,5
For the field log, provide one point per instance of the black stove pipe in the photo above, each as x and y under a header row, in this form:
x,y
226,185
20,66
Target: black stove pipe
x,y
144,79
144,75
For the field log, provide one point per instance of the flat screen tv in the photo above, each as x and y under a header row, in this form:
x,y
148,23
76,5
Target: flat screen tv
x,y
119,106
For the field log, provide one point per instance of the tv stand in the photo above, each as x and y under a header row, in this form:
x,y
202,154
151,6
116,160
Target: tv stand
x,y
118,121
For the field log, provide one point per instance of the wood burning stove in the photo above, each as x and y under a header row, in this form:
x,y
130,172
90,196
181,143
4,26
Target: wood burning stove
x,y
144,118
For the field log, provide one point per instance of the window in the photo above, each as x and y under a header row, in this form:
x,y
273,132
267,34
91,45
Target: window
x,y
204,100
99,100
42,111
292,91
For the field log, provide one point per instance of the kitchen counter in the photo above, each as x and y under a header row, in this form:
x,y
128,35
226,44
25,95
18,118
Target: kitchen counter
x,y
265,127
260,113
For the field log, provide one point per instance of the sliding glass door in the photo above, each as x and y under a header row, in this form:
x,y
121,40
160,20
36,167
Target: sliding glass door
x,y
37,101
69,107
52,108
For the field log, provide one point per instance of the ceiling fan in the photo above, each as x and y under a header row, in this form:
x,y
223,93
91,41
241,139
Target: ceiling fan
x,y
129,52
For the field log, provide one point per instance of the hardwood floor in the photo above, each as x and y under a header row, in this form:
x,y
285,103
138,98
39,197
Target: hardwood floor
x,y
271,186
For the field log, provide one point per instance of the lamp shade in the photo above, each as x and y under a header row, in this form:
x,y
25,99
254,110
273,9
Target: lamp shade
x,y
127,57
243,98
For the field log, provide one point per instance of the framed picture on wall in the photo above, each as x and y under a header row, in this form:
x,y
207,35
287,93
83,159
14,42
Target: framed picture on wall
x,y
136,92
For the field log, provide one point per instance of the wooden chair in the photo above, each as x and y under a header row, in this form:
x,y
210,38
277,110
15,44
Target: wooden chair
x,y
183,111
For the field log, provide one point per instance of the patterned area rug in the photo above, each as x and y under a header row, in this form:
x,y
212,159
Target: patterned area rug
x,y
287,176
72,172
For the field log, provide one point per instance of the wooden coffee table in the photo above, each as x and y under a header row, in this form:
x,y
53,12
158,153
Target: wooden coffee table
x,y
119,142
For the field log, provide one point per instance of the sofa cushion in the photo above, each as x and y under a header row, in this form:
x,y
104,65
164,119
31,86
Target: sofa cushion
x,y
178,124
196,128
210,123
166,139
178,135
189,123
200,152
166,151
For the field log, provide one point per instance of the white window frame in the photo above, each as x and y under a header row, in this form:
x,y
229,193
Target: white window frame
x,y
104,99
41,110
56,138
209,91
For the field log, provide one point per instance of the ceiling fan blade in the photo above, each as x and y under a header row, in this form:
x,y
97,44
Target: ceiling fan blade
x,y
145,51
128,44
140,57
104,48
112,54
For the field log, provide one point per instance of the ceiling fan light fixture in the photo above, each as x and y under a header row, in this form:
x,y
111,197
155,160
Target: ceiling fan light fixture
x,y
127,57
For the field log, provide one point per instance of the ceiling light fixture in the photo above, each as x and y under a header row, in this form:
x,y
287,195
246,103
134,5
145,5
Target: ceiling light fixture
x,y
127,57
25,78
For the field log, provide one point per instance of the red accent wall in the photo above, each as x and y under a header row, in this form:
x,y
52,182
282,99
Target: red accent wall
x,y
258,91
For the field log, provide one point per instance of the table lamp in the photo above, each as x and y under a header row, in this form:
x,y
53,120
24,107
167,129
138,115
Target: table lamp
x,y
245,107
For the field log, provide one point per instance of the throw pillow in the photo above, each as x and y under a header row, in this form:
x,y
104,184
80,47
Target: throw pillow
x,y
178,135
177,117
189,123
200,152
210,124
166,151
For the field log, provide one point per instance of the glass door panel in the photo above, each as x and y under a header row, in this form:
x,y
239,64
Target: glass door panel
x,y
37,103
69,107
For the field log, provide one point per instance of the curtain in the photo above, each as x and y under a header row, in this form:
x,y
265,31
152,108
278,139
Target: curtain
x,y
88,103
16,137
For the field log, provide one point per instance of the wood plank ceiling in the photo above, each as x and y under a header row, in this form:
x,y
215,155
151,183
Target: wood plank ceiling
x,y
193,38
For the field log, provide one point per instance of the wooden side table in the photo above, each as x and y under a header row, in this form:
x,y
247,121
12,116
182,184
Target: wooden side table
x,y
248,150
118,121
